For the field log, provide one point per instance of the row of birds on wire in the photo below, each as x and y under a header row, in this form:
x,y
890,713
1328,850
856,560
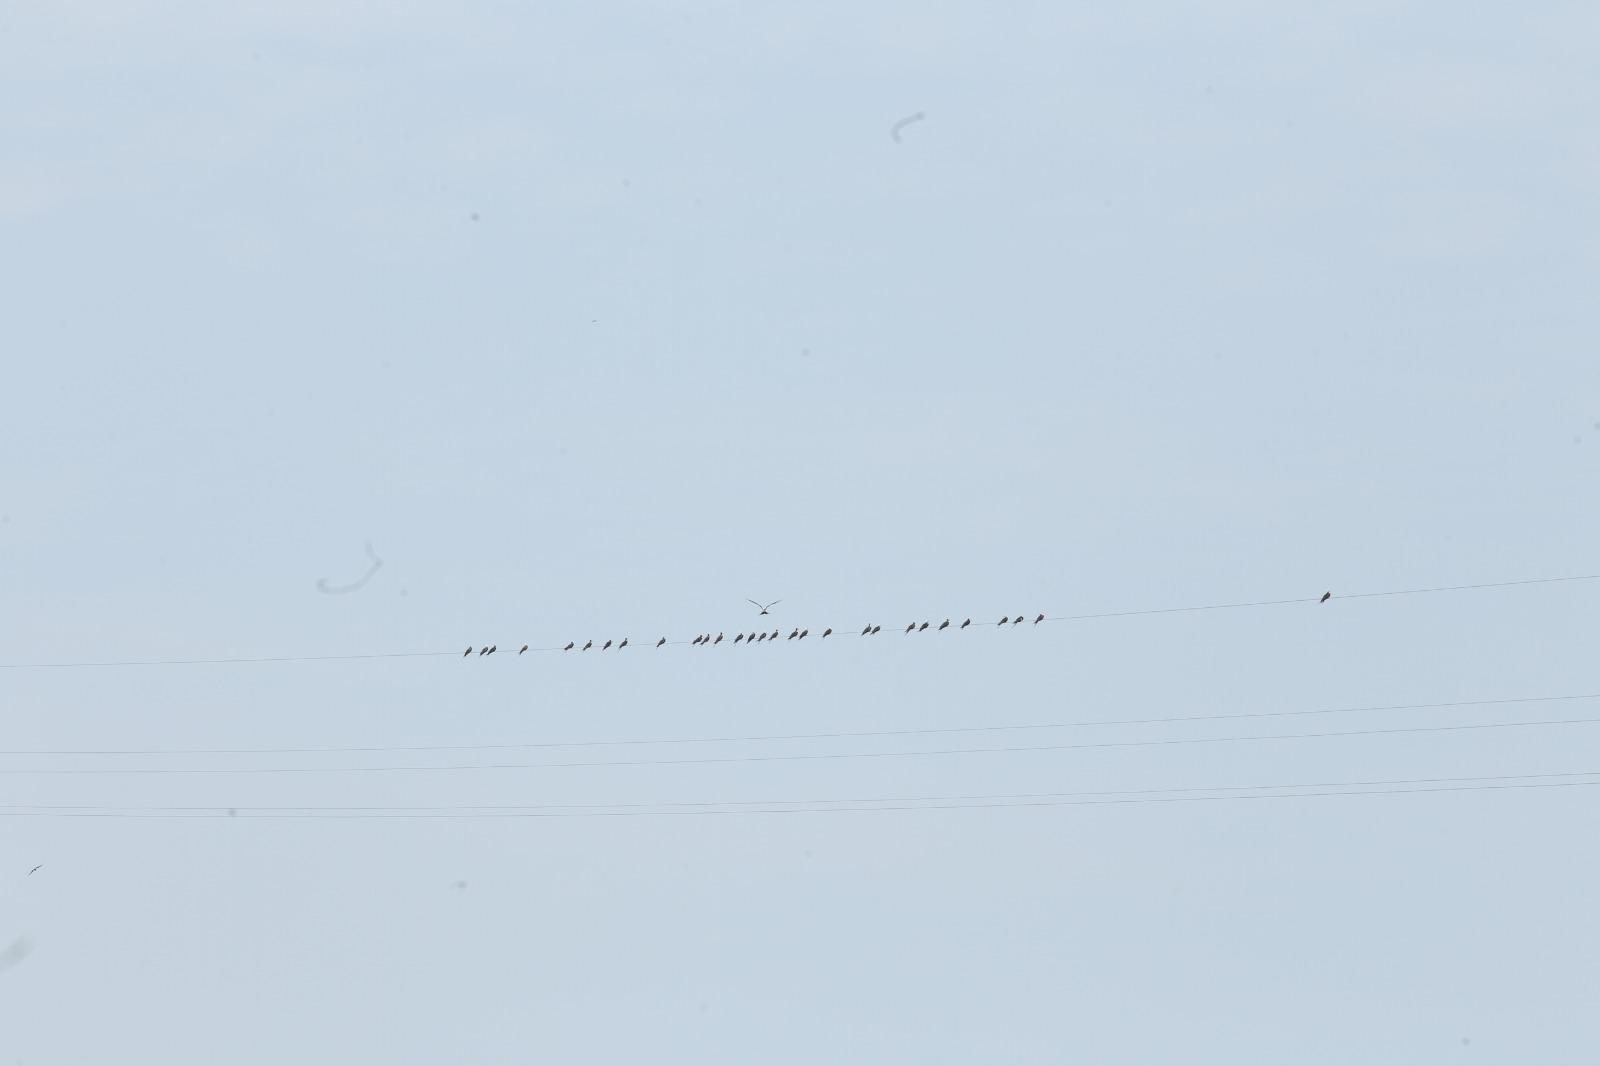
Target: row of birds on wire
x,y
759,637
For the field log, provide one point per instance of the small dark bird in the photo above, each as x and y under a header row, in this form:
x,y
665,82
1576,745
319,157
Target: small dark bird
x,y
803,633
606,645
696,641
922,627
762,637
944,625
864,631
764,608
1006,619
795,632
1326,596
484,650
588,644
738,638
774,636
522,649
910,627
467,652
826,633
570,643
967,623
1036,621
660,642
624,644
1017,621
876,630
718,640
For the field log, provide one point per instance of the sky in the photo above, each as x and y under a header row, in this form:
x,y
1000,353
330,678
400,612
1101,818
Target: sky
x,y
592,321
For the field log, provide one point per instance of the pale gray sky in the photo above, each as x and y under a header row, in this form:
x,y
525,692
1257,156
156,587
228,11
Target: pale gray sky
x,y
597,319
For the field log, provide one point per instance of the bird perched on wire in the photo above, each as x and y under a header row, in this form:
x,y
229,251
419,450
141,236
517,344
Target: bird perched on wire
x,y
1006,619
570,643
738,637
922,627
606,645
588,644
1017,621
660,642
764,608
718,640
876,630
1039,619
1326,596
826,633
910,627
864,631
467,652
967,623
803,633
795,632
944,625
774,636
763,636
624,644
522,649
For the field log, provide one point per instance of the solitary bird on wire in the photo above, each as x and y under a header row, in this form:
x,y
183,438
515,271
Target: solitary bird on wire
x,y
764,608
922,627
967,623
660,642
606,645
522,649
1326,596
1036,621
718,640
826,633
570,643
588,644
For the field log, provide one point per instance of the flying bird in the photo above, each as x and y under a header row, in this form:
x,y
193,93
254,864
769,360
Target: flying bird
x,y
660,642
624,644
522,649
570,643
718,640
606,645
588,644
967,623
36,869
826,633
1326,596
764,607
922,627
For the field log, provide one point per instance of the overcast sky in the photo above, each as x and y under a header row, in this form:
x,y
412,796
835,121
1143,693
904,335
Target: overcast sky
x,y
594,320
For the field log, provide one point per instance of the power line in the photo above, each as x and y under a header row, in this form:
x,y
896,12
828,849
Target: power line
x,y
791,737
789,757
515,650
855,806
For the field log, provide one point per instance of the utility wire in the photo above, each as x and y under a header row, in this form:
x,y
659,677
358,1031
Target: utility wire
x,y
790,737
513,650
801,757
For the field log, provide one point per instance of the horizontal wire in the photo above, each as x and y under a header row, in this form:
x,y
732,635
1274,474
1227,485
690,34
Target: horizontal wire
x,y
333,813
512,648
802,757
788,737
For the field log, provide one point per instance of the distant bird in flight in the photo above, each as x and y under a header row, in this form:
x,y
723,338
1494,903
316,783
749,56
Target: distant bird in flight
x,y
570,643
522,649
36,869
967,623
718,640
1326,596
588,644
922,627
765,607
660,642
606,645
826,633
624,644
1036,621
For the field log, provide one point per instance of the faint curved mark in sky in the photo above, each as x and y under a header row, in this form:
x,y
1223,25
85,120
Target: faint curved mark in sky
x,y
894,131
354,586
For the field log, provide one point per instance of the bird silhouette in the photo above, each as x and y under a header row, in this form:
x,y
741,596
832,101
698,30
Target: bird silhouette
x,y
826,633
864,631
922,627
944,625
492,648
762,637
876,630
660,642
910,627
467,652
764,607
1006,619
624,644
718,640
803,633
967,623
522,649
795,632
588,644
1017,621
1326,596
696,641
1036,621
738,637
36,869
606,645
775,633
570,643
484,650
